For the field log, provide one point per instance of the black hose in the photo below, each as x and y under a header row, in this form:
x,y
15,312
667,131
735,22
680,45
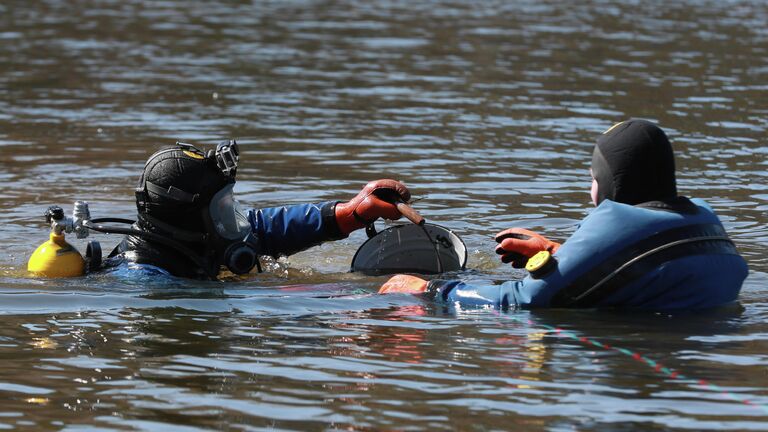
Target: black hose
x,y
189,253
113,220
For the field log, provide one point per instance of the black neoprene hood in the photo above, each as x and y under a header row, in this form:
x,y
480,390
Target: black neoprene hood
x,y
633,163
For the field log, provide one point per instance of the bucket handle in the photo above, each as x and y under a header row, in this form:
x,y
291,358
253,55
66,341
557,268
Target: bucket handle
x,y
370,230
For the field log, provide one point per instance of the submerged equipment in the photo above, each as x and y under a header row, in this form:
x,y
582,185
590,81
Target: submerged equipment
x,y
410,248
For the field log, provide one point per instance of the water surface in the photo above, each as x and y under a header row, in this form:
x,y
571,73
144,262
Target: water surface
x,y
488,111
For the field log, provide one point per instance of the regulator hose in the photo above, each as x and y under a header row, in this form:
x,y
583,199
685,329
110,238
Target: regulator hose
x,y
113,220
189,253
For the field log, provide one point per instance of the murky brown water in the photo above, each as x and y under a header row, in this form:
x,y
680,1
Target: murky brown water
x,y
488,111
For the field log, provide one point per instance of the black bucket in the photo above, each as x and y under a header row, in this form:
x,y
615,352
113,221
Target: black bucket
x,y
409,249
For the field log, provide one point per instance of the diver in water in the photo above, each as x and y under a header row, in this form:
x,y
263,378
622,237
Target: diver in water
x,y
644,246
190,225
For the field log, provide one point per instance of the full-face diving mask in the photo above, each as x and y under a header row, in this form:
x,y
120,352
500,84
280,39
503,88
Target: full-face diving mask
x,y
231,235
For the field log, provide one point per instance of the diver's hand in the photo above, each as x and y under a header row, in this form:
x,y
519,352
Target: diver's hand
x,y
404,284
378,198
516,245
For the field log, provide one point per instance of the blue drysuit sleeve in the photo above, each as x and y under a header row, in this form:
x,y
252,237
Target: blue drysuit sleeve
x,y
471,295
291,229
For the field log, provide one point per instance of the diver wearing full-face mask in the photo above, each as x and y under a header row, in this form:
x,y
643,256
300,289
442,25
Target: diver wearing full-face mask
x,y
189,223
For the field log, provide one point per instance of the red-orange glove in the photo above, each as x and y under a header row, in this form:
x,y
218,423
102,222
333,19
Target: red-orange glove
x,y
516,245
378,198
405,284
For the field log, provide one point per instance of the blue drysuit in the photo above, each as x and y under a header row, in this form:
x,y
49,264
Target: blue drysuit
x,y
625,256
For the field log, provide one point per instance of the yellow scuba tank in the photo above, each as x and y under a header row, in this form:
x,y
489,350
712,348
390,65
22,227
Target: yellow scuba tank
x,y
56,259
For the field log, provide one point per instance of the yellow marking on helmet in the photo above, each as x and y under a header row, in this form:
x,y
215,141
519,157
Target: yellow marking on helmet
x,y
612,127
193,155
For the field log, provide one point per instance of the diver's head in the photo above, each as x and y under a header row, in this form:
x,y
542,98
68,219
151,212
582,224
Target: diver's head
x,y
632,164
177,185
186,194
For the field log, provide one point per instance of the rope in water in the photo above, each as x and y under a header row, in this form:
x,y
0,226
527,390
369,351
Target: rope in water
x,y
656,366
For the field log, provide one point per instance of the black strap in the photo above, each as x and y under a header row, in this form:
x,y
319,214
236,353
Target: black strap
x,y
331,224
679,204
171,192
155,224
637,260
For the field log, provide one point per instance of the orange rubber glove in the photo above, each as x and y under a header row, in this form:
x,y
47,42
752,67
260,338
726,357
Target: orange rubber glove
x,y
378,198
516,245
404,284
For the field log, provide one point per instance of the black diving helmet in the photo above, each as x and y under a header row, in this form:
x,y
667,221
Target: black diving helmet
x,y
187,195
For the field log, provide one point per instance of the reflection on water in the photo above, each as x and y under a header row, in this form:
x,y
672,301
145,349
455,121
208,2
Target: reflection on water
x,y
488,111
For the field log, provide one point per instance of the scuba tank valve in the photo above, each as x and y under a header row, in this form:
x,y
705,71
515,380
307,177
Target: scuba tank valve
x,y
80,215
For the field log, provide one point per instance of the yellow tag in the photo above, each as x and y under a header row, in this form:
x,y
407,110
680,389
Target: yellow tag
x,y
538,261
193,155
613,127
